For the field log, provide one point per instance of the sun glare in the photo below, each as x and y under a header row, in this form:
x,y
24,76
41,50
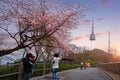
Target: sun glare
x,y
118,49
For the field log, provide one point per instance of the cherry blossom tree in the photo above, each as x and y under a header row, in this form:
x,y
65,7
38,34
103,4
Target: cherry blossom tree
x,y
35,22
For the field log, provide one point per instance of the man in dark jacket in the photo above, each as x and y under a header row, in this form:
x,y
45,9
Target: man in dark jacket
x,y
28,64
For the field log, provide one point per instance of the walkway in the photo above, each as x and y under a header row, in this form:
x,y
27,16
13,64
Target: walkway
x,y
77,74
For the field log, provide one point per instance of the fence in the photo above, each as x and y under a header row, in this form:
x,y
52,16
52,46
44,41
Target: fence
x,y
14,75
111,66
40,70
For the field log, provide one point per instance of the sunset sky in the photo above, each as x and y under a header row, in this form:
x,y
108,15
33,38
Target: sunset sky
x,y
106,15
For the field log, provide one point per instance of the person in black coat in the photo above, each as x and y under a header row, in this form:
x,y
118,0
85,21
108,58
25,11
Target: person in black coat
x,y
28,66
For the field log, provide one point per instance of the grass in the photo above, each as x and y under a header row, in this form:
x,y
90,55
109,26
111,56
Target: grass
x,y
39,72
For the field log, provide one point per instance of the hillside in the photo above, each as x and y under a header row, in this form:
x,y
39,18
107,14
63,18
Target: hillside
x,y
104,56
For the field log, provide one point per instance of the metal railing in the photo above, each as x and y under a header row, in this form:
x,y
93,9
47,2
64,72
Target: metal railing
x,y
111,66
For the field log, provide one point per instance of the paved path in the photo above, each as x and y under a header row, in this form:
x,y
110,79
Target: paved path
x,y
77,74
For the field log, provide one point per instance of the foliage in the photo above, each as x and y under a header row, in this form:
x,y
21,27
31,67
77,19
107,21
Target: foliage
x,y
68,66
94,57
7,70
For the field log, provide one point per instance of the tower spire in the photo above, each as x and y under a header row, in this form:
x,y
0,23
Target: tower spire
x,y
92,35
109,42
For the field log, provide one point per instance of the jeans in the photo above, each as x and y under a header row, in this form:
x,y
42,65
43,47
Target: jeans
x,y
27,76
54,73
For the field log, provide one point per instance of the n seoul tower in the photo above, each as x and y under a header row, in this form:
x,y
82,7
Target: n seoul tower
x,y
92,35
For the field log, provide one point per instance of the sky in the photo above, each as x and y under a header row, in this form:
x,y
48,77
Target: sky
x,y
106,15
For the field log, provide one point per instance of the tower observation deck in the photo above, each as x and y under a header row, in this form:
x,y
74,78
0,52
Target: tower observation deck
x,y
92,35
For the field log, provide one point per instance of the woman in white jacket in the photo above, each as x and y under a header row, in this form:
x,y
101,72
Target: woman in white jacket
x,y
55,65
